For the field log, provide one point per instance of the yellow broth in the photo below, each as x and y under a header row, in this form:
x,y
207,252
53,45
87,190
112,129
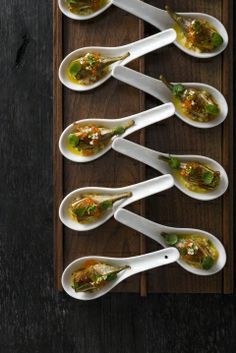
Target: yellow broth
x,y
89,219
204,242
89,151
91,78
93,6
179,106
187,185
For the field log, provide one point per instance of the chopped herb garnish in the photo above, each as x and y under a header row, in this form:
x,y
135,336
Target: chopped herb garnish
x,y
182,251
178,90
119,130
217,40
91,209
171,238
197,26
212,109
105,205
75,68
207,263
208,178
80,212
111,276
73,140
174,163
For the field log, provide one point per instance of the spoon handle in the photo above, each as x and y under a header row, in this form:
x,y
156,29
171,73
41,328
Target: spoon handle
x,y
142,225
148,44
146,188
152,260
156,17
149,117
150,85
141,154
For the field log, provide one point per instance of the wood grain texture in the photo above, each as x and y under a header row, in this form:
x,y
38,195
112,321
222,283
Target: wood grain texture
x,y
57,157
110,100
34,316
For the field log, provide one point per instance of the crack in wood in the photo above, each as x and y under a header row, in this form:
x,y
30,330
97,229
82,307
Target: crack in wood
x,y
21,50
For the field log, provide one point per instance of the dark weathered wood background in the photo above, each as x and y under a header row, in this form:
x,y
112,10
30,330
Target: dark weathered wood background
x,y
33,316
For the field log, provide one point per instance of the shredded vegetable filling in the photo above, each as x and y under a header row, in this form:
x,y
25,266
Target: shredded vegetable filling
x,y
196,250
85,7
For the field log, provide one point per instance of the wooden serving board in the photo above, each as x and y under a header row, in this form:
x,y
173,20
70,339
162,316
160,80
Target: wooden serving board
x,y
115,99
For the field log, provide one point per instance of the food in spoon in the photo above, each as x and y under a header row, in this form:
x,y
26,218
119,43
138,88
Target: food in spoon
x,y
94,275
91,67
85,7
195,176
196,104
195,34
195,249
87,140
89,207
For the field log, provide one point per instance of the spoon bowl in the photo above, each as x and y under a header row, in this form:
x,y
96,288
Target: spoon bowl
x,y
141,120
159,19
153,230
152,158
64,9
158,89
138,191
135,49
137,264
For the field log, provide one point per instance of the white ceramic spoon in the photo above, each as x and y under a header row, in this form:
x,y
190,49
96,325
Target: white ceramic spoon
x,y
158,89
153,230
141,120
158,18
136,49
139,191
151,158
137,264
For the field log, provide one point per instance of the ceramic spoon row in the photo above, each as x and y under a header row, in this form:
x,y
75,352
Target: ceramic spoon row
x,y
147,84
135,50
158,18
161,20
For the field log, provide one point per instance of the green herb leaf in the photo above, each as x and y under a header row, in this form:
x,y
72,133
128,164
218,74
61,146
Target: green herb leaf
x,y
171,238
73,140
105,205
182,251
91,209
72,1
91,60
178,90
111,277
119,130
208,178
80,211
207,262
83,287
197,26
174,163
75,68
212,109
217,40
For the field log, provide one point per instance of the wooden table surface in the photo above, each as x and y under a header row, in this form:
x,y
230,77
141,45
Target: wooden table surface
x,y
34,316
